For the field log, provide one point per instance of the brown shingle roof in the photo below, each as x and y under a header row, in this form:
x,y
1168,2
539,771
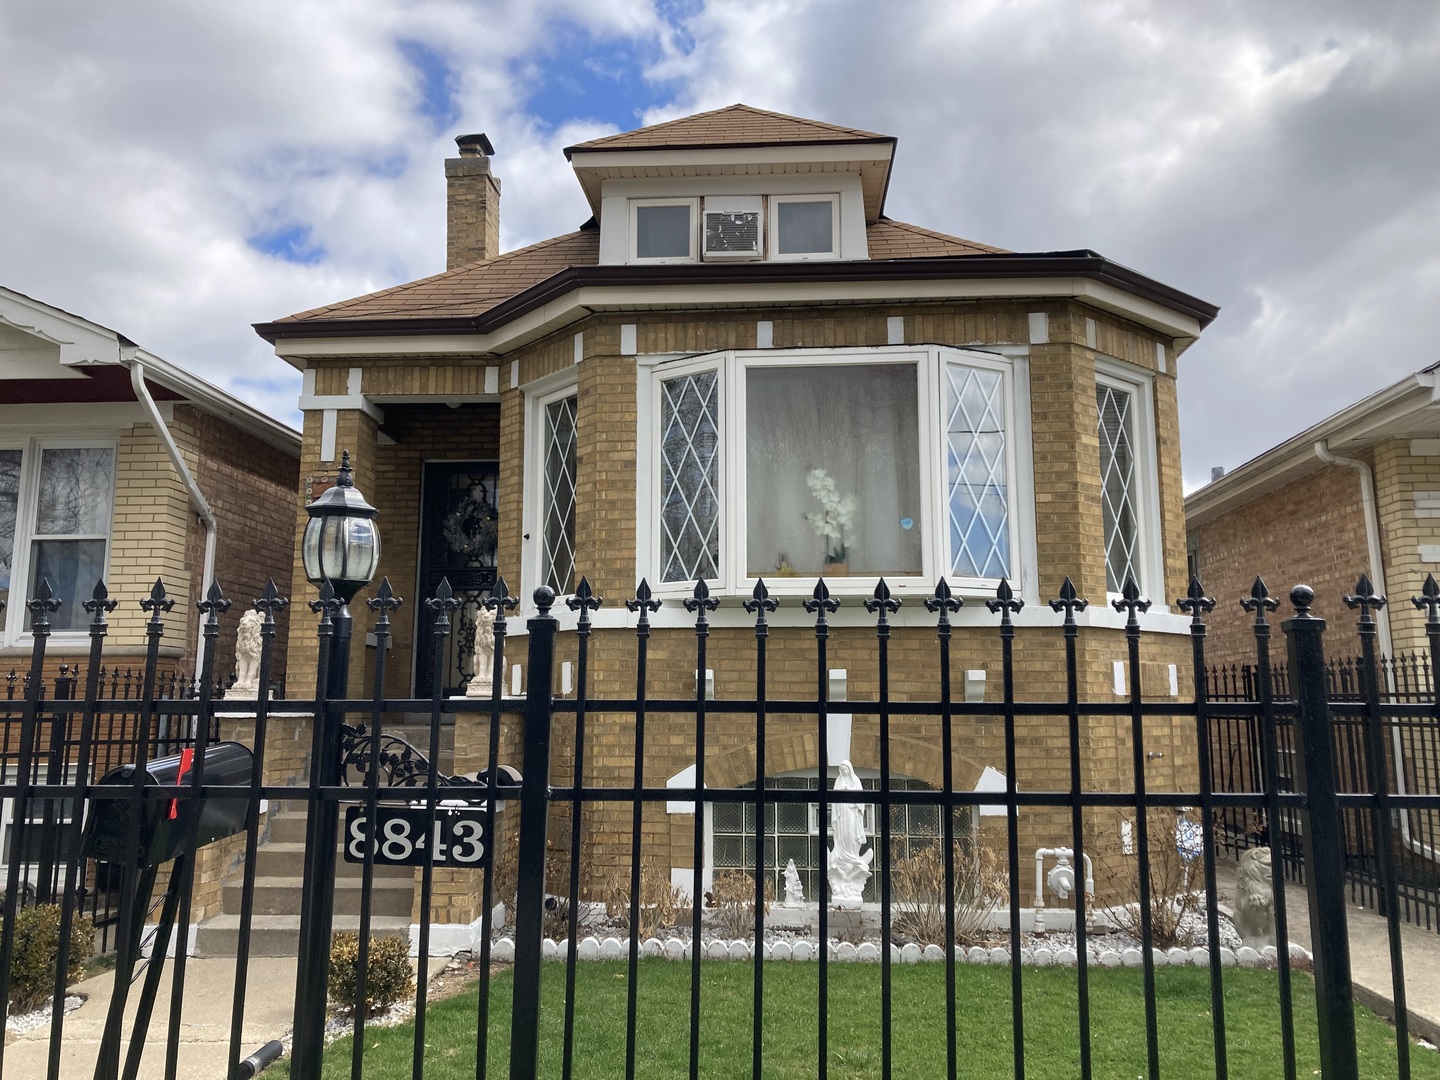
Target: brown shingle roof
x,y
890,239
471,290
734,125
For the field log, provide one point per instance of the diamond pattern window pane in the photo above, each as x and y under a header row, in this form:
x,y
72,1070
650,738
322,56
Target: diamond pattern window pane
x,y
558,534
977,494
1117,484
690,477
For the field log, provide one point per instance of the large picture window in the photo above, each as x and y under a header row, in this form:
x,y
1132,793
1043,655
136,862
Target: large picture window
x,y
851,463
56,504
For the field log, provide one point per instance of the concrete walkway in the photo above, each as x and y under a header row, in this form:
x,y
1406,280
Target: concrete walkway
x,y
205,1021
1370,956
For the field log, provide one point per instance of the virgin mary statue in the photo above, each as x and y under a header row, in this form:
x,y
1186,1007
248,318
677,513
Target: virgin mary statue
x,y
849,868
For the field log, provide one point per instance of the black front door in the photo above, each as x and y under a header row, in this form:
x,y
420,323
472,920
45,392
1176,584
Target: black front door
x,y
457,543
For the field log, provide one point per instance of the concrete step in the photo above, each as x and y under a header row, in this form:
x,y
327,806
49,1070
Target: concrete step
x,y
279,935
287,859
282,895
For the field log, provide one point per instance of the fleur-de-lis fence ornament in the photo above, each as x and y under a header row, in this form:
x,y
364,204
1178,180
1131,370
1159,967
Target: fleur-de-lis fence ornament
x,y
644,603
99,605
270,603
214,605
1429,600
1260,601
1366,599
584,601
944,603
1069,602
1131,602
1196,602
1005,603
441,605
699,603
383,602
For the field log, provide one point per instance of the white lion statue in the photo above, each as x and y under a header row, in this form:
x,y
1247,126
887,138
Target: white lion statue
x,y
247,656
1255,898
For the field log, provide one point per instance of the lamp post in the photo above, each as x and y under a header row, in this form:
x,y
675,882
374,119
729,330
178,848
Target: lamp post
x,y
340,551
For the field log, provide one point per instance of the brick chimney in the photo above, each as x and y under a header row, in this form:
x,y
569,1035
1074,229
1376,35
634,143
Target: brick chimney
x,y
473,204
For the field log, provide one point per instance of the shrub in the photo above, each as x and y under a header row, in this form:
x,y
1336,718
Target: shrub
x,y
732,903
388,975
1173,897
662,905
37,950
917,888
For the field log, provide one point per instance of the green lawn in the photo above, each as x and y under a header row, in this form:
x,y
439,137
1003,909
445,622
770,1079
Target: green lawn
x,y
983,1008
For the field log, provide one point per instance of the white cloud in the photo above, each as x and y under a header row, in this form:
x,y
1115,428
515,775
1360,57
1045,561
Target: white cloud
x,y
1276,159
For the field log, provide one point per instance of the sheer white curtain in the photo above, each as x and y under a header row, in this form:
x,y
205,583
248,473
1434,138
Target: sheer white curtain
x,y
832,470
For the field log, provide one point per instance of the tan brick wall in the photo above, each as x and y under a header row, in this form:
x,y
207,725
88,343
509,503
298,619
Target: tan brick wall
x,y
1070,537
1398,476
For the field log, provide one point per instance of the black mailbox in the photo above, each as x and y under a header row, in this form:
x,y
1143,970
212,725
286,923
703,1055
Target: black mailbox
x,y
162,831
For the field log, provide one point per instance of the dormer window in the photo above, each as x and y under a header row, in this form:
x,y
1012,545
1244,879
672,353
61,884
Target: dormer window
x,y
804,226
662,230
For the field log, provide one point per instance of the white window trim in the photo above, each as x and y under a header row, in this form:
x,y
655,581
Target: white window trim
x,y
773,246
538,394
1149,549
929,360
634,225
12,631
10,775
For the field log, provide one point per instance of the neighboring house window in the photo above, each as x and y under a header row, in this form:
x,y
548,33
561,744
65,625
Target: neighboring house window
x,y
804,226
55,513
851,463
558,533
662,230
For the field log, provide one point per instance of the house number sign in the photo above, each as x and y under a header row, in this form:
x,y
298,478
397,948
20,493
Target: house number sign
x,y
405,836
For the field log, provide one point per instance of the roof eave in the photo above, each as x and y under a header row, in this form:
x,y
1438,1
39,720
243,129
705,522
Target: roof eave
x,y
1395,407
1083,264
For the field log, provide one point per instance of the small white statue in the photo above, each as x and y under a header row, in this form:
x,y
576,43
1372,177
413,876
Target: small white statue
x,y
794,891
1255,898
247,657
849,868
483,681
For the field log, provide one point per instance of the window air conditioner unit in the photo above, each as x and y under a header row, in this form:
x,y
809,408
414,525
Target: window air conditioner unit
x,y
732,228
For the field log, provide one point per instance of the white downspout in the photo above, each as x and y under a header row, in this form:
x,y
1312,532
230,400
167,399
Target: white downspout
x,y
1377,578
1372,536
202,508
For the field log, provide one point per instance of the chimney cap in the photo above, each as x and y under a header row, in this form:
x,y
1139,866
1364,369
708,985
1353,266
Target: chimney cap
x,y
474,145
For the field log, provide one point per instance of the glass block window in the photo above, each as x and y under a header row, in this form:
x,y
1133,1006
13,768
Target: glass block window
x,y
976,488
792,831
72,527
1117,484
558,531
690,477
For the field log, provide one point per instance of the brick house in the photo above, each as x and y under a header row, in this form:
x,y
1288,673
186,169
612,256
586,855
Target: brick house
x,y
741,367
1357,492
117,464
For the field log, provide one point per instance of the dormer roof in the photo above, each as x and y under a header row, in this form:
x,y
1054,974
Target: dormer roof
x,y
738,140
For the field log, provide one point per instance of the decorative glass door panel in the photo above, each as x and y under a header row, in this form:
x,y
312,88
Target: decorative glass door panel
x,y
458,529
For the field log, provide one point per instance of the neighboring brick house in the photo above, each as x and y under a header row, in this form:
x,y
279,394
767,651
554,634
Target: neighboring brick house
x,y
89,489
1359,492
670,391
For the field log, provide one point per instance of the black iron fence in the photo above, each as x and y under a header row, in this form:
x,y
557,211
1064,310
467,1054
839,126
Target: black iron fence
x,y
1410,758
1310,768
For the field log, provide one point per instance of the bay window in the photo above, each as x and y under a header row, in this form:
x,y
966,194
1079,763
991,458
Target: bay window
x,y
1129,492
847,463
56,504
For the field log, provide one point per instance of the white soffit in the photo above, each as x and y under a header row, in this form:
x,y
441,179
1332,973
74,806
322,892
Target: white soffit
x,y
581,302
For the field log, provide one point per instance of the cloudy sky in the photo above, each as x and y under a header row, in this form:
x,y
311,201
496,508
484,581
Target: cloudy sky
x,y
178,171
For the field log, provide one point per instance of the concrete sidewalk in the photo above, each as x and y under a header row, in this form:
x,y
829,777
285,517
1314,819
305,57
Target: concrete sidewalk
x,y
204,1021
1370,956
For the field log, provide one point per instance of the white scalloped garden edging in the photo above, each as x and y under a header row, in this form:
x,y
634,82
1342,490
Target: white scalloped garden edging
x,y
612,948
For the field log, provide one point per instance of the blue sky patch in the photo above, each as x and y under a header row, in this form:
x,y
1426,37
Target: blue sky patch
x,y
585,77
289,242
437,84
